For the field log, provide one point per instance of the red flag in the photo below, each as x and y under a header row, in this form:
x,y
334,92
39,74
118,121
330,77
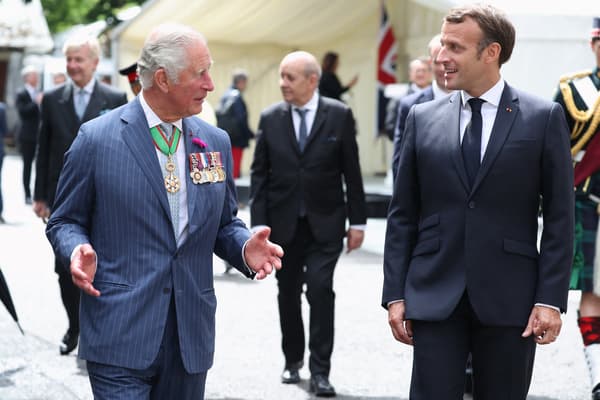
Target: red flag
x,y
386,65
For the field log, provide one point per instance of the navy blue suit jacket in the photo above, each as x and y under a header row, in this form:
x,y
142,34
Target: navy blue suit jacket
x,y
444,237
111,194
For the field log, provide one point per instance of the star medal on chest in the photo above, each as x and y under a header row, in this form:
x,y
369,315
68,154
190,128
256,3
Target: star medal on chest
x,y
168,146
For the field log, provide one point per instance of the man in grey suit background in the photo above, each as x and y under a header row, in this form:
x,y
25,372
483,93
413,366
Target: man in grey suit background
x,y
306,150
64,109
462,273
145,197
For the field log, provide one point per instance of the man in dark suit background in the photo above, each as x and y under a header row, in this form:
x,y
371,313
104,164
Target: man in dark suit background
x,y
306,149
462,273
436,90
145,198
28,105
64,109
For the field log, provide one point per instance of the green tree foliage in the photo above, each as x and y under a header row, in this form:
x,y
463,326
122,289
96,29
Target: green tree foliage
x,y
62,14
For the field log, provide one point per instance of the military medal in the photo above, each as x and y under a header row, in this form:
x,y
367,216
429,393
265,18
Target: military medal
x,y
171,180
168,148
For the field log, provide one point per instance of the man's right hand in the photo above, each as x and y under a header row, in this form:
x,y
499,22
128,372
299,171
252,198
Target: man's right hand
x,y
83,269
40,208
401,328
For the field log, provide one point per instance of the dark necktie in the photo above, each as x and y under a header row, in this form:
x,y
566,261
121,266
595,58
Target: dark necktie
x,y
302,132
471,144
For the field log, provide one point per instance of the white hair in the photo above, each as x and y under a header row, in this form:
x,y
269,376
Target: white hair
x,y
78,40
28,69
166,47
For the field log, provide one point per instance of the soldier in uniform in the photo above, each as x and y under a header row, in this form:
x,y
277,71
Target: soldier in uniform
x,y
579,94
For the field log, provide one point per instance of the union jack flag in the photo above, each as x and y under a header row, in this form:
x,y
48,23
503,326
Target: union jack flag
x,y
386,66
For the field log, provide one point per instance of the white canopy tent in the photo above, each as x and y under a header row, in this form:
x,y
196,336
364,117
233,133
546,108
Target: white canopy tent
x,y
256,34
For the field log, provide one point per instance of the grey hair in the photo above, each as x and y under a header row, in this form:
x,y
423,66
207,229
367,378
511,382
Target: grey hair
x,y
239,75
311,65
28,69
166,47
78,40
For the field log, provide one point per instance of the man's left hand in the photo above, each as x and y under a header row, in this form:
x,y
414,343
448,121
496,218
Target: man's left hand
x,y
261,255
354,239
544,324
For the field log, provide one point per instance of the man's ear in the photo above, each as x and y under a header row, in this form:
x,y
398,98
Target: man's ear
x,y
161,80
492,52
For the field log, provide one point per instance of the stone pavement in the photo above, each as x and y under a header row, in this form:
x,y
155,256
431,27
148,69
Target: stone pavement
x,y
367,363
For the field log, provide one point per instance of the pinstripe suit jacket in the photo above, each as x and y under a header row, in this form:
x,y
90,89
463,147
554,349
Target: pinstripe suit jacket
x,y
111,194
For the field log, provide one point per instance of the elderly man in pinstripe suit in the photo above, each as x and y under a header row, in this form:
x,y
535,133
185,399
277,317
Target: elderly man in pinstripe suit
x,y
145,198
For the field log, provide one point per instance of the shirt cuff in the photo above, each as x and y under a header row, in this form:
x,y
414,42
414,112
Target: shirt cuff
x,y
359,227
394,301
548,306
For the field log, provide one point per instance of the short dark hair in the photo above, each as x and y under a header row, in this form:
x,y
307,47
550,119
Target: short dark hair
x,y
493,23
329,60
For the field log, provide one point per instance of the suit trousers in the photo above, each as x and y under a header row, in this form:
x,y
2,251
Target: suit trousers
x,y
28,154
502,360
165,378
308,262
70,294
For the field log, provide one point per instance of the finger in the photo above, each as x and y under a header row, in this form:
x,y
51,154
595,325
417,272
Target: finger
x,y
90,289
528,331
260,274
263,233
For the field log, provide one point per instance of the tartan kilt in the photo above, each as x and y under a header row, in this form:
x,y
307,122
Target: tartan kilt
x,y
586,228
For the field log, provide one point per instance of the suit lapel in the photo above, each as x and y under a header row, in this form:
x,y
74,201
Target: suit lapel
x,y
508,108
66,102
320,118
191,188
453,138
137,137
96,104
288,126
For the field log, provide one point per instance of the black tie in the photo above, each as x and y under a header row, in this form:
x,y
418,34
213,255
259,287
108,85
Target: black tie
x,y
471,144
302,134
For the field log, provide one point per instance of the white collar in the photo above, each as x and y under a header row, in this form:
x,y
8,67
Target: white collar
x,y
151,116
492,96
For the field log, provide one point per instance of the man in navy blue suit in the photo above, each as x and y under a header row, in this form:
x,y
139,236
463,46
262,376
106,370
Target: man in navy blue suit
x,y
145,198
462,270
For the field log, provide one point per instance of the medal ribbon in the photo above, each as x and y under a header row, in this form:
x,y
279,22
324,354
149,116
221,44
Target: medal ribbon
x,y
161,142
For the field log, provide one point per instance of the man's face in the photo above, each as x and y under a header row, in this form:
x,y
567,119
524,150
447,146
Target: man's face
x,y
439,73
188,94
296,87
81,65
32,79
464,67
420,74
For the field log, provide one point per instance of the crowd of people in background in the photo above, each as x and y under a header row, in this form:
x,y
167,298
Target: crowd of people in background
x,y
475,163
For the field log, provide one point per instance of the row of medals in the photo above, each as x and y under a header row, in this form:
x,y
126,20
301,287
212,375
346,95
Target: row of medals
x,y
199,176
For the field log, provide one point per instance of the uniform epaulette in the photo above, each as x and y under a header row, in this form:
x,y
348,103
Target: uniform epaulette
x,y
576,75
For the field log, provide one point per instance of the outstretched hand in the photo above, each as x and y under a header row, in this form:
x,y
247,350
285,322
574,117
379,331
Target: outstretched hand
x,y
83,269
261,255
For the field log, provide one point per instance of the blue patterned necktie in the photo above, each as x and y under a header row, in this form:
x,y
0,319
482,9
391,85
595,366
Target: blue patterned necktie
x,y
471,144
173,197
80,103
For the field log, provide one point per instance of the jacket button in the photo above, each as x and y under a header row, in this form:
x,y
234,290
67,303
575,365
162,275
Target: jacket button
x,y
166,290
471,204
